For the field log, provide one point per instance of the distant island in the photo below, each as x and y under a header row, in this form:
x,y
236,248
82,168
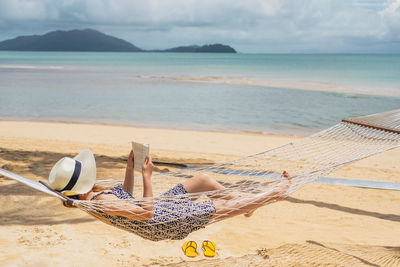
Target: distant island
x,y
214,48
89,40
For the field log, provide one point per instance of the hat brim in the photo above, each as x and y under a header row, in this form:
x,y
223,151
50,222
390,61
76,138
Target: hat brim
x,y
88,171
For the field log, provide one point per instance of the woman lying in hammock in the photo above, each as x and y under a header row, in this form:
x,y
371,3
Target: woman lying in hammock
x,y
171,217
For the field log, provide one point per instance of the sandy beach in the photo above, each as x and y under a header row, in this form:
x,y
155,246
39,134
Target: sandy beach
x,y
320,224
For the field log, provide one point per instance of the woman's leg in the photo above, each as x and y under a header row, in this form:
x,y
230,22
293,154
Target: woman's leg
x,y
247,205
285,174
202,183
205,183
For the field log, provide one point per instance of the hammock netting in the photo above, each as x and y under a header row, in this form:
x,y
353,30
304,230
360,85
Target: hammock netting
x,y
255,179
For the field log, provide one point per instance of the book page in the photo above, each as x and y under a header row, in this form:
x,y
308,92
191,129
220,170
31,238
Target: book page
x,y
140,151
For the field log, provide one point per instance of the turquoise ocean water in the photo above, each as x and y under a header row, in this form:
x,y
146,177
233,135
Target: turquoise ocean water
x,y
271,93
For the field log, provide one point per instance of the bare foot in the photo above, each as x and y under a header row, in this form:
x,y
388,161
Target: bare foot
x,y
285,174
284,187
285,183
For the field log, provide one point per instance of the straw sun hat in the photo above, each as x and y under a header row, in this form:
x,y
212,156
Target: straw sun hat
x,y
74,175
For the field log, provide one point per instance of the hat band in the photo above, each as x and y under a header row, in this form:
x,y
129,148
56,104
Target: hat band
x,y
74,178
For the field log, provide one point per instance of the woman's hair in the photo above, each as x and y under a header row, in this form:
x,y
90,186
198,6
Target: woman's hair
x,y
98,188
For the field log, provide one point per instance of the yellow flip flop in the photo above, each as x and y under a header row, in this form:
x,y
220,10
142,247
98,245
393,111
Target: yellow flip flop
x,y
209,248
189,248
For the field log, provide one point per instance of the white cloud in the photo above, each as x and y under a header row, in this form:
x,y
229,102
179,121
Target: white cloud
x,y
22,10
252,25
391,17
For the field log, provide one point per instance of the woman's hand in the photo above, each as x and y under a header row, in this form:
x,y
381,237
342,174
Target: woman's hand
x,y
147,168
68,205
131,161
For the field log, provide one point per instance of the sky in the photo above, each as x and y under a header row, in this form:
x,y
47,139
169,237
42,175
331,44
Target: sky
x,y
250,26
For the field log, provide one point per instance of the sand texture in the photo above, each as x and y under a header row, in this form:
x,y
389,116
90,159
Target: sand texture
x,y
320,224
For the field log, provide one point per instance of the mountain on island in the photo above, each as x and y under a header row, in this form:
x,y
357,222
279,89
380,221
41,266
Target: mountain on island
x,y
89,40
213,48
74,40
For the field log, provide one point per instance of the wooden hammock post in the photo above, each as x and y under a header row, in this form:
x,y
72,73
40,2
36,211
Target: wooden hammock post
x,y
371,126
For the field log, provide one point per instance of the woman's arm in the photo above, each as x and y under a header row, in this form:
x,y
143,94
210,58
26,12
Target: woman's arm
x,y
147,171
129,211
125,209
129,177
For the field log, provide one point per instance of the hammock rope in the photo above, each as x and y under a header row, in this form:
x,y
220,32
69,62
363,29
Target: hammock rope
x,y
254,179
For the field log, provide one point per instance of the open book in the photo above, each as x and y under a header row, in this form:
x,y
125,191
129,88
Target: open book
x,y
140,151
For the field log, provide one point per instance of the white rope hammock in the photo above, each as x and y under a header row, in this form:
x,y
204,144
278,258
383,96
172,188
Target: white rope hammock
x,y
248,180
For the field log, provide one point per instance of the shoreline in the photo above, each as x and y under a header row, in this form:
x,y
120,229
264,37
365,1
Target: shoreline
x,y
121,124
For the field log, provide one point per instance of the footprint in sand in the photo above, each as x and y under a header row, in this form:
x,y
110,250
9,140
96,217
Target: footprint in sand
x,y
40,237
122,244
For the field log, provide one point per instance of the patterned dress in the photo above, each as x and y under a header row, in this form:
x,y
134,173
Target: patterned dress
x,y
173,218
